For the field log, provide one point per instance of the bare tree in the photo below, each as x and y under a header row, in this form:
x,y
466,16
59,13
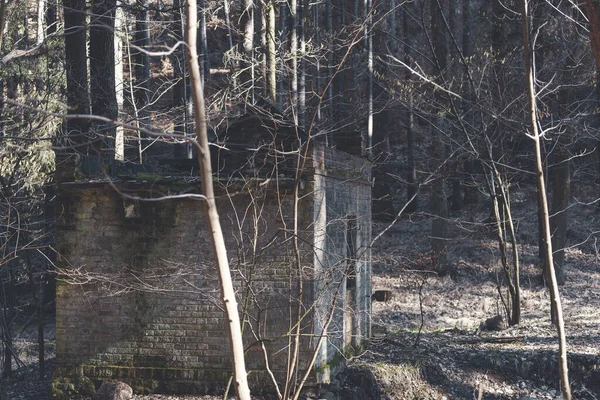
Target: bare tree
x,y
227,291
535,136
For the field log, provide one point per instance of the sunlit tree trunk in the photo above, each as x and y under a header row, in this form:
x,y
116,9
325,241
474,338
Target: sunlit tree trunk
x,y
554,293
247,21
369,39
41,17
293,7
303,6
283,38
214,225
118,46
271,59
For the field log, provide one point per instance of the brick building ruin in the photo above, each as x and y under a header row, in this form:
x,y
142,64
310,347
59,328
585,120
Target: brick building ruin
x,y
137,292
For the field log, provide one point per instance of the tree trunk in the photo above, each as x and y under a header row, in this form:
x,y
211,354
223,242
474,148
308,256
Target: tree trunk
x,y
78,101
438,196
369,38
560,180
230,39
141,58
303,5
411,176
283,29
554,293
8,314
316,21
119,82
330,61
214,225
271,59
102,74
51,17
393,28
247,20
41,16
2,21
592,8
293,6
470,188
260,30
181,90
203,40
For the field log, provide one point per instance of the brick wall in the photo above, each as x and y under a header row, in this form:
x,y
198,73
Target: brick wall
x,y
138,295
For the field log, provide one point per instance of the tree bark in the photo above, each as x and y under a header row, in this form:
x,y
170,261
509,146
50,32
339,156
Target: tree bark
x,y
51,17
78,101
293,6
181,90
141,58
592,8
369,38
233,65
2,21
271,59
330,61
411,175
119,82
554,293
438,196
247,20
303,6
214,225
560,179
470,188
203,40
41,17
102,74
316,21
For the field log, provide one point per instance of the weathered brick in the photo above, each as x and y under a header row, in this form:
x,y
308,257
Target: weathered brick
x,y
168,247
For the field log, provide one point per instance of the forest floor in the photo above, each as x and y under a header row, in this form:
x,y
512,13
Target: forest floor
x,y
425,343
448,359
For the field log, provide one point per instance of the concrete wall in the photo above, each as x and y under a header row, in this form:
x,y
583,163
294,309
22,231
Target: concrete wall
x,y
342,214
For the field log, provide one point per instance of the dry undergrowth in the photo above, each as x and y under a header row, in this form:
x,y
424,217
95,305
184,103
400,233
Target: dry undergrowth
x,y
448,357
